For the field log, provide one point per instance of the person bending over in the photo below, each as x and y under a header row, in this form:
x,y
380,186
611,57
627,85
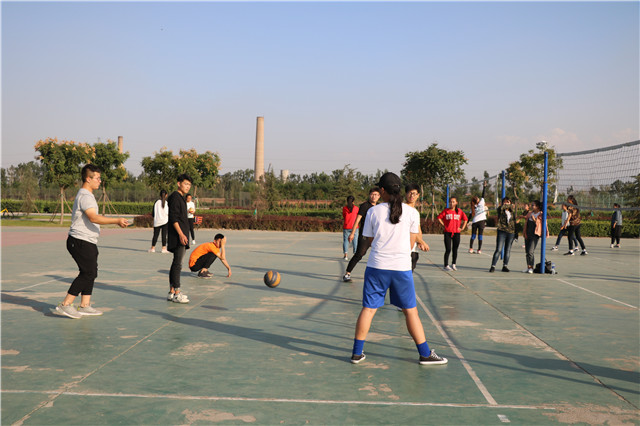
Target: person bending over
x,y
205,254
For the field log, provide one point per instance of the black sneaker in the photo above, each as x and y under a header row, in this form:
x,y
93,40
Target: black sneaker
x,y
205,274
432,359
505,269
347,277
569,253
492,269
584,253
357,358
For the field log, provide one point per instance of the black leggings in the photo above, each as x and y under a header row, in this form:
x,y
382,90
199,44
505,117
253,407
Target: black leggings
x,y
414,259
450,238
478,228
574,233
615,234
176,266
86,256
362,249
191,222
156,231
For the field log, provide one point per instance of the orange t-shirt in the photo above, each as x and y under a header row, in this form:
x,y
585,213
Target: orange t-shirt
x,y
201,250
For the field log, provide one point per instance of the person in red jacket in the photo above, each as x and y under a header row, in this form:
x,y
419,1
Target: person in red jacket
x,y
349,214
451,218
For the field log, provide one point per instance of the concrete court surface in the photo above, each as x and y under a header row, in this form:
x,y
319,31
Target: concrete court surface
x,y
522,349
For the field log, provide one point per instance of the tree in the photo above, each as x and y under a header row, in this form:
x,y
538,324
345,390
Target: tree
x,y
61,161
532,167
110,160
516,177
160,170
203,168
434,167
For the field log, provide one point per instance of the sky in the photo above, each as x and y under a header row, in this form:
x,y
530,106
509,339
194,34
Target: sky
x,y
338,83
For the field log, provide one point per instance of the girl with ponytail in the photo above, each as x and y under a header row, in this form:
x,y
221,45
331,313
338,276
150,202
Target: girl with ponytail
x,y
451,218
391,228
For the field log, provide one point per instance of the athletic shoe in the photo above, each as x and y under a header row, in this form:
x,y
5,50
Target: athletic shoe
x,y
432,359
204,274
454,267
152,250
448,268
345,258
68,310
479,251
357,358
180,298
470,250
584,253
530,271
347,277
89,310
505,269
617,246
569,253
170,296
611,246
193,242
165,251
492,269
554,248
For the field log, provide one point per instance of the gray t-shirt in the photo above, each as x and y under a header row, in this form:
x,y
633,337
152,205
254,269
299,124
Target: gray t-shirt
x,y
81,227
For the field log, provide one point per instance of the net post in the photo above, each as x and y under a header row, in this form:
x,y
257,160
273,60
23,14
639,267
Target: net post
x,y
544,213
447,195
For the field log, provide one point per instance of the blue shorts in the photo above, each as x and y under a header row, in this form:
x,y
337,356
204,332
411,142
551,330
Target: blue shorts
x,y
402,292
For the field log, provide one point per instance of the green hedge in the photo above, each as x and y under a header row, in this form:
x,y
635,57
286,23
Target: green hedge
x,y
122,207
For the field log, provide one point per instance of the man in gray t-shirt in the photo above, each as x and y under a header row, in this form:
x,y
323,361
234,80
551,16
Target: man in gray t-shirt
x,y
82,244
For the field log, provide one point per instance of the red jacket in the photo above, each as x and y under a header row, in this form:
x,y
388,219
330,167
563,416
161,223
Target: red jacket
x,y
452,220
349,217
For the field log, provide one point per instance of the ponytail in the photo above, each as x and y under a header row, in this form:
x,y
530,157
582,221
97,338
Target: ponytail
x,y
163,197
395,207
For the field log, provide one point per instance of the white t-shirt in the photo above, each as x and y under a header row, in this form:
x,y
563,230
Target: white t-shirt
x,y
191,205
391,246
81,227
160,215
480,212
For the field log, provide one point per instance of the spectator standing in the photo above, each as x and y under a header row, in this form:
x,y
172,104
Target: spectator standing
x,y
616,226
160,222
451,218
178,238
349,215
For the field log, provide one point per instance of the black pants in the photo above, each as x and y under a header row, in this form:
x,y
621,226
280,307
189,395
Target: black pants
x,y
86,256
414,259
192,220
477,228
362,250
156,231
615,234
176,266
451,239
574,234
203,262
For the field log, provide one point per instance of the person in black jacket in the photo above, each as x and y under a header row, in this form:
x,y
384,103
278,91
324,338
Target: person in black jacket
x,y
178,240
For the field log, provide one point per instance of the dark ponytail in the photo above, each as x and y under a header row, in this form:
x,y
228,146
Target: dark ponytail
x,y
395,207
163,197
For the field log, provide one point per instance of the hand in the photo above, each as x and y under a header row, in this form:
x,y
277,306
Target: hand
x,y
351,238
184,240
229,274
122,222
461,229
423,246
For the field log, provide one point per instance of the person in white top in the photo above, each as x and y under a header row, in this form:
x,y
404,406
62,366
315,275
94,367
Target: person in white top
x,y
160,222
191,211
391,229
479,219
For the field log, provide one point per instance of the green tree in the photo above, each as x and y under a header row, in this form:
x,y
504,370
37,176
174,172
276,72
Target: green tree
x,y
160,170
203,168
111,163
435,168
532,165
62,161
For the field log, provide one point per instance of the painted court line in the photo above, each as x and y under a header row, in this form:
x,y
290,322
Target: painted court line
x,y
472,373
597,294
289,400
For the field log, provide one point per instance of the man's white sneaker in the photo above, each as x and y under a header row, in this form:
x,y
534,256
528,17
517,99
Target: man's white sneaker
x,y
170,296
180,298
530,271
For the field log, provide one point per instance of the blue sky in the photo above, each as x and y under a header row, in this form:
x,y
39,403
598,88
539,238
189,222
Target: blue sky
x,y
338,83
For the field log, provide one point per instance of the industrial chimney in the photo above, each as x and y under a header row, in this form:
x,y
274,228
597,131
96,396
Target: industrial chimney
x,y
259,167
120,149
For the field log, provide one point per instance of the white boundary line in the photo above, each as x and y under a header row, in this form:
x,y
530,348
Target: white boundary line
x,y
597,294
474,376
290,400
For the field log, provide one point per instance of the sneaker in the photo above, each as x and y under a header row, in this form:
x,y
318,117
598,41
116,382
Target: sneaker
x,y
68,310
454,267
479,252
180,298
170,296
505,269
432,359
345,258
530,271
492,269
470,250
611,246
165,251
152,250
584,253
554,248
204,274
89,310
357,358
617,246
193,242
569,253
347,277
448,268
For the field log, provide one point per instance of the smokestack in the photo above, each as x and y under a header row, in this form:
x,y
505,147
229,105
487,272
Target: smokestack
x,y
259,167
120,144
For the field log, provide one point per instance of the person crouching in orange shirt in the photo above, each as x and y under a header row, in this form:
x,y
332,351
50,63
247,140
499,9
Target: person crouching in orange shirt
x,y
203,256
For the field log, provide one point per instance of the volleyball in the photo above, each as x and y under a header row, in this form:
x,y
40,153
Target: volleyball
x,y
272,279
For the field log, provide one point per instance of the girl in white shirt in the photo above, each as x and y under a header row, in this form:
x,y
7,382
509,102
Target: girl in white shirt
x,y
160,222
